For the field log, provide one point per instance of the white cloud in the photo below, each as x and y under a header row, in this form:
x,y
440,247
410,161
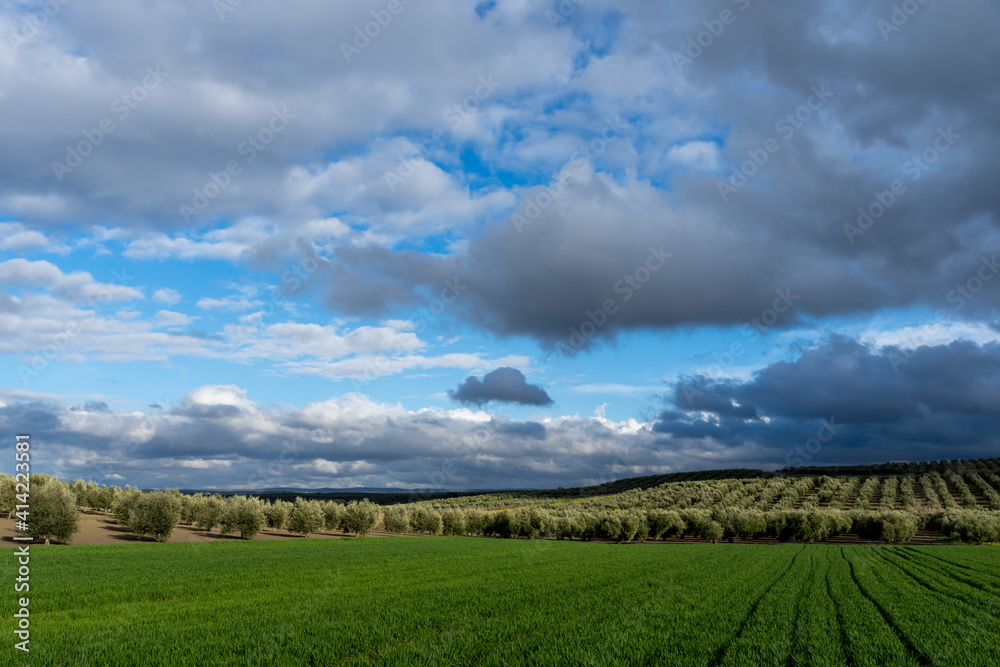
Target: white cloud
x,y
169,318
167,296
78,285
698,154
221,438
15,237
234,303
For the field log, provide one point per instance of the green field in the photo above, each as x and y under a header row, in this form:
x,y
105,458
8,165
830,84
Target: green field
x,y
455,600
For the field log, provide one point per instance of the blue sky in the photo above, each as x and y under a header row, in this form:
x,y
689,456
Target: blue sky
x,y
658,239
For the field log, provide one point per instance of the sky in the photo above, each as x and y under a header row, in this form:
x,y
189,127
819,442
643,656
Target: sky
x,y
449,245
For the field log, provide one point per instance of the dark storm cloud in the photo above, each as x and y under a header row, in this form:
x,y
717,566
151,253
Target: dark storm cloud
x,y
872,404
504,385
851,107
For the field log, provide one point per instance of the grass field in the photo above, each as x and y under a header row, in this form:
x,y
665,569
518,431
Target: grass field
x,y
507,602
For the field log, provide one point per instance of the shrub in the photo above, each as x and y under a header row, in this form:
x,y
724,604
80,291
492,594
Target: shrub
x,y
243,515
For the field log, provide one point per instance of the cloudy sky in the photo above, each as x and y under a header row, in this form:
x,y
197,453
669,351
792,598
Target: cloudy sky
x,y
496,245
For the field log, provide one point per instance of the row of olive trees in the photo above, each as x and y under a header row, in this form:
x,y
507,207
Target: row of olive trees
x,y
156,514
802,525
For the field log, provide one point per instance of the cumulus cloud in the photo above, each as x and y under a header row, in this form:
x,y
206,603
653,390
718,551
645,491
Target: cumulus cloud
x,y
350,440
167,296
503,385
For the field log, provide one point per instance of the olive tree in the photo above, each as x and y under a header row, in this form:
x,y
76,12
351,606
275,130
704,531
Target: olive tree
x,y
426,520
361,517
395,520
52,512
123,504
208,512
276,514
8,492
333,515
305,517
242,515
155,514
453,522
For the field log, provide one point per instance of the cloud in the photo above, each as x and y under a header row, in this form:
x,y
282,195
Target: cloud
x,y
349,440
78,285
15,237
170,318
235,303
889,403
167,296
504,385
